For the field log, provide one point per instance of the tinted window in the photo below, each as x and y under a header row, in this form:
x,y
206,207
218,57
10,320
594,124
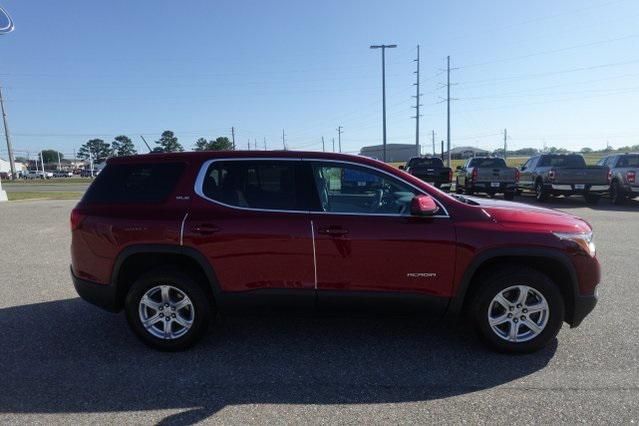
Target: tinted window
x,y
562,161
426,162
487,162
273,185
134,183
352,189
628,161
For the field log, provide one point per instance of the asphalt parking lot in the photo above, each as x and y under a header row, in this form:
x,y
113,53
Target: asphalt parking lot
x,y
62,360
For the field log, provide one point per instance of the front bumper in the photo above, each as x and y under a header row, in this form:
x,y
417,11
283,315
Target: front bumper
x,y
101,295
583,306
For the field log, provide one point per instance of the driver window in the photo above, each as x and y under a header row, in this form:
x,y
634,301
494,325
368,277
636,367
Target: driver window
x,y
345,188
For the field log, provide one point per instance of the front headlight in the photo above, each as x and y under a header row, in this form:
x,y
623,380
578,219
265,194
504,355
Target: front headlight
x,y
584,240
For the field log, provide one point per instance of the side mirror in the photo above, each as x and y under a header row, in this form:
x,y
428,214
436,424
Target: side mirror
x,y
402,167
423,205
459,168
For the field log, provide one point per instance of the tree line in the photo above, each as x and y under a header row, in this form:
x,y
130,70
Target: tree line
x,y
122,145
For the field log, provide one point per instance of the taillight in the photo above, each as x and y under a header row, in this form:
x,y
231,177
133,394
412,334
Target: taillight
x,y
517,175
450,175
631,176
76,219
473,176
551,175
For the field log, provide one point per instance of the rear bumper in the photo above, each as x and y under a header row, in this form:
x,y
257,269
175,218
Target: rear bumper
x,y
572,188
489,187
101,295
583,306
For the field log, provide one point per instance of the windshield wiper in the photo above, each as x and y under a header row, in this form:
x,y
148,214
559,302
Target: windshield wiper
x,y
465,200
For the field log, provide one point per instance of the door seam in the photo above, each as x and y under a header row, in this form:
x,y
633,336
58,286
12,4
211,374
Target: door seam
x,y
314,254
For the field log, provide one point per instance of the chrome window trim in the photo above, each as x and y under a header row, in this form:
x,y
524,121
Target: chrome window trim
x,y
199,183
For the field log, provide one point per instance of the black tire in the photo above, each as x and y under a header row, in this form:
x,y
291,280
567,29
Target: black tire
x,y
616,193
468,191
458,188
202,308
541,193
592,198
495,283
509,196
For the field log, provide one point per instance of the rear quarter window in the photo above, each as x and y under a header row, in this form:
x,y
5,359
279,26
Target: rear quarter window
x,y
134,183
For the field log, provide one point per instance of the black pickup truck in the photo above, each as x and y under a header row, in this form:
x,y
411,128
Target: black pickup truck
x,y
430,170
563,174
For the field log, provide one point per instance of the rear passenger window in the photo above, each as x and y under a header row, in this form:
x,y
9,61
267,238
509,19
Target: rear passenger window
x,y
134,183
260,184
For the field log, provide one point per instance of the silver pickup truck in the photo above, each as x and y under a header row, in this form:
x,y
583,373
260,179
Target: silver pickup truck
x,y
623,176
563,174
488,175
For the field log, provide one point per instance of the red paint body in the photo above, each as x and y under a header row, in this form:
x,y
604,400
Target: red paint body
x,y
251,250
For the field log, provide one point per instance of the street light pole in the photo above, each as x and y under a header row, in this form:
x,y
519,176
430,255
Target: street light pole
x,y
384,47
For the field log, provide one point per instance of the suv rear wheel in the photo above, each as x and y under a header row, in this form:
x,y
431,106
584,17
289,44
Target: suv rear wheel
x,y
167,309
518,310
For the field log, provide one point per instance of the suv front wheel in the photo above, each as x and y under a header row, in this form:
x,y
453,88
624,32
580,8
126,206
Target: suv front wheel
x,y
167,309
518,310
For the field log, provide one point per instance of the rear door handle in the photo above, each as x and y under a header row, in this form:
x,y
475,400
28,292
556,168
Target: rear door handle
x,y
333,231
206,229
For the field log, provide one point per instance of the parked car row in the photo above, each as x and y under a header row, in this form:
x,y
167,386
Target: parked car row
x,y
544,175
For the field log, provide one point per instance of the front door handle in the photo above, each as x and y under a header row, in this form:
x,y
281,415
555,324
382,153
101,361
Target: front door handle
x,y
333,231
206,229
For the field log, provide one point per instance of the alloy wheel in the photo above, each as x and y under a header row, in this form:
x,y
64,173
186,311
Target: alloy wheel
x,y
166,312
518,313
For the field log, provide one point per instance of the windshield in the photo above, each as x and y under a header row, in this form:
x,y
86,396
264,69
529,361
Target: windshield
x,y
426,162
487,162
562,161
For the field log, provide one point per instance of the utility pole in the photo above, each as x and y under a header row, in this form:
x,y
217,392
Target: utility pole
x,y
233,137
383,47
333,144
143,140
59,164
505,142
42,164
417,104
323,146
339,139
433,134
264,143
443,151
284,139
448,108
12,163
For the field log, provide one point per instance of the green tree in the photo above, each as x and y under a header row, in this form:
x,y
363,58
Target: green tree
x,y
201,145
99,149
51,156
123,145
586,150
221,144
168,142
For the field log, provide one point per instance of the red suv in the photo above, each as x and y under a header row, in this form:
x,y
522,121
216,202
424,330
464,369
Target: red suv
x,y
173,239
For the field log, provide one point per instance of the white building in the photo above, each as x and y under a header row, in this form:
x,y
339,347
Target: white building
x,y
5,166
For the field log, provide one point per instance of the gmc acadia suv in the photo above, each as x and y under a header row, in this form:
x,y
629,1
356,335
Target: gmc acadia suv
x,y
173,239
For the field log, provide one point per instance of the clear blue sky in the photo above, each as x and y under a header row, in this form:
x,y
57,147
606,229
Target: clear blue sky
x,y
563,72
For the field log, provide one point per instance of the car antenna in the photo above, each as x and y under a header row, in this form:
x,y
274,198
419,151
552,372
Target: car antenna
x,y
147,145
